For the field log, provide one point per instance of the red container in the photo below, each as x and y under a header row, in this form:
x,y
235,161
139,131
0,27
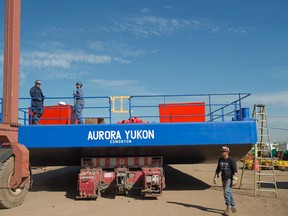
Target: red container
x,y
59,114
182,112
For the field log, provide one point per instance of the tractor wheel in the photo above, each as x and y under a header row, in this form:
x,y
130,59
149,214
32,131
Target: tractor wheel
x,y
10,198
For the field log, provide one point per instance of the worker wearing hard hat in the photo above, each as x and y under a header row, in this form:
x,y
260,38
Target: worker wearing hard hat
x,y
37,102
228,168
79,102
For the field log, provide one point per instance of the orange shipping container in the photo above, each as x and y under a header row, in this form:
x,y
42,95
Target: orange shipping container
x,y
59,114
182,112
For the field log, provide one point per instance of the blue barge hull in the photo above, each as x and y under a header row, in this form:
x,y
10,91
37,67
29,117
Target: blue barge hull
x,y
178,143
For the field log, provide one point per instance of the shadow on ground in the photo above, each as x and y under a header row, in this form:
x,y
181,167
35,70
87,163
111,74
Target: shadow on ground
x,y
202,208
65,179
177,180
280,185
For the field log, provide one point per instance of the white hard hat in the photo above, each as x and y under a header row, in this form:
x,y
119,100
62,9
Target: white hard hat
x,y
62,103
225,149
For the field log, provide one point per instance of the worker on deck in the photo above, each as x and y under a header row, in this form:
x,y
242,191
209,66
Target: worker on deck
x,y
79,102
37,102
228,168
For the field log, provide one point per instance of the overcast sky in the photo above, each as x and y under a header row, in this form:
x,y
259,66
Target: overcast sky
x,y
133,47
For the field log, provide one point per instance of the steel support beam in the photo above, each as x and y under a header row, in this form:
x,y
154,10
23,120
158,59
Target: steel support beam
x,y
11,63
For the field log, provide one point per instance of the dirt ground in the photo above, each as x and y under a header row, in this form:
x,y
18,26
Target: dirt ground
x,y
189,191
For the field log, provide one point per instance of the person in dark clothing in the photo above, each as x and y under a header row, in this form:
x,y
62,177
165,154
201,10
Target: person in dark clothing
x,y
228,168
79,102
37,102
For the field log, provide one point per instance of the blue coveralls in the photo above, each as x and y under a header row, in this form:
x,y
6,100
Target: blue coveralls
x,y
79,104
36,103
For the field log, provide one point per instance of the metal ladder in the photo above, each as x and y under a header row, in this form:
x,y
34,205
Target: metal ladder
x,y
265,173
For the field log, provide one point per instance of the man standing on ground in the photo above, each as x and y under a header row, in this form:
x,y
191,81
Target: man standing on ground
x,y
79,102
228,168
37,102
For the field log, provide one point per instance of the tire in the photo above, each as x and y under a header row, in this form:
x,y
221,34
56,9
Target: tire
x,y
10,198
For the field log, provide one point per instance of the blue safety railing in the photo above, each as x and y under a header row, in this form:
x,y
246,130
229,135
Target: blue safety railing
x,y
91,109
217,107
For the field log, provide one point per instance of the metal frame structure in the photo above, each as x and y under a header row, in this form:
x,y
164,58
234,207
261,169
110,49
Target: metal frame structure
x,y
263,162
9,126
265,176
